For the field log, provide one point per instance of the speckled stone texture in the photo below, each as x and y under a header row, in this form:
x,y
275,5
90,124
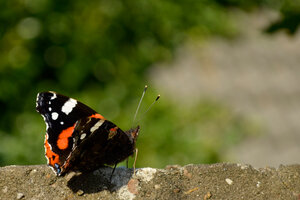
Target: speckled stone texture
x,y
217,181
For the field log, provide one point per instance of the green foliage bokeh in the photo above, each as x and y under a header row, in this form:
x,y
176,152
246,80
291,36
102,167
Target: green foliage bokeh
x,y
99,51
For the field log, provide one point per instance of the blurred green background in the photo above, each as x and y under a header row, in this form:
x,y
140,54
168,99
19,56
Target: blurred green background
x,y
99,52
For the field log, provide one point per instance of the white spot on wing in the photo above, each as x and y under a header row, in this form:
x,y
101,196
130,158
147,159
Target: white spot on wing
x,y
54,115
62,123
97,125
47,126
37,99
82,136
54,96
49,108
68,106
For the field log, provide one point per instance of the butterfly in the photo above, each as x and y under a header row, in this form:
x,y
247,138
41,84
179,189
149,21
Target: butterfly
x,y
80,139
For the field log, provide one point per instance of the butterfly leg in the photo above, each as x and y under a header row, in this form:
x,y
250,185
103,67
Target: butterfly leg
x,y
127,162
136,153
113,171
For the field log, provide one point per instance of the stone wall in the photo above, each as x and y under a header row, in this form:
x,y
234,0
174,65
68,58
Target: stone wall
x,y
217,181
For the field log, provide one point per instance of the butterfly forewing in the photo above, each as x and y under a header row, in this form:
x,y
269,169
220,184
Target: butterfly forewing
x,y
60,114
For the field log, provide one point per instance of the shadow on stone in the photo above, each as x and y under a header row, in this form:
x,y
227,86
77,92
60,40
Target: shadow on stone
x,y
99,180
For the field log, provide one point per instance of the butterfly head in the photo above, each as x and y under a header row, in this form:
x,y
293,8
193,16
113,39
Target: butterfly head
x,y
134,133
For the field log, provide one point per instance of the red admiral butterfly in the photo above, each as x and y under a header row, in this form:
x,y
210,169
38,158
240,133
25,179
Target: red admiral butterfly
x,y
80,139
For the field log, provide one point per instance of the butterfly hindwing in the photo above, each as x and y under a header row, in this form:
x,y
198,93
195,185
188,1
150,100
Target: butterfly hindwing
x,y
98,142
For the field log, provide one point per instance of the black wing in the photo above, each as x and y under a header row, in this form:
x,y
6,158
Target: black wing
x,y
60,114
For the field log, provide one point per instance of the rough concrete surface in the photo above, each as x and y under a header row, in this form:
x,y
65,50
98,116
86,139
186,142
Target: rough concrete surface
x,y
217,181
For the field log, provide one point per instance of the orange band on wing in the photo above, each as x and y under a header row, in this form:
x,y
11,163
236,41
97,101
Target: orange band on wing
x,y
63,138
51,156
97,115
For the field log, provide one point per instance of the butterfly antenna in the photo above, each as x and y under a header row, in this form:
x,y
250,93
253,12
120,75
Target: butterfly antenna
x,y
137,109
158,96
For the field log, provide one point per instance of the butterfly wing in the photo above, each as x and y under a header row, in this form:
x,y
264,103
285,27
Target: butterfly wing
x,y
99,142
60,114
